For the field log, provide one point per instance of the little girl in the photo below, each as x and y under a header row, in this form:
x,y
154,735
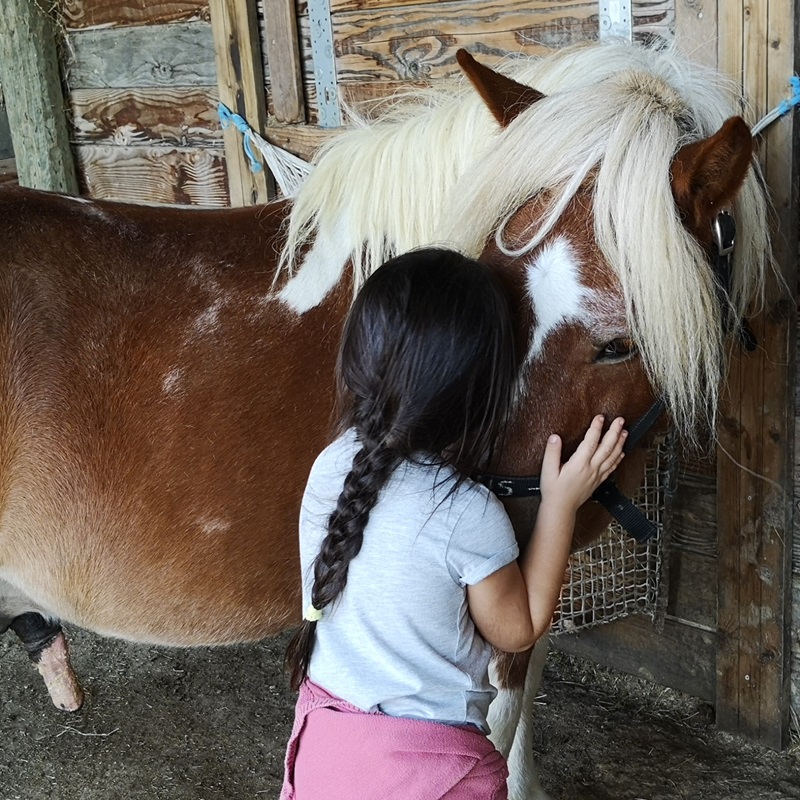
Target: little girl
x,y
410,571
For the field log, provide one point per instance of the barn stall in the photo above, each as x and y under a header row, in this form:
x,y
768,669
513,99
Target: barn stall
x,y
143,82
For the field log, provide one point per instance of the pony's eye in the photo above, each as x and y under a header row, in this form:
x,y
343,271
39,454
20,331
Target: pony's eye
x,y
616,350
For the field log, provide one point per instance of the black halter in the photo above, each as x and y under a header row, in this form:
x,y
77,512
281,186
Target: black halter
x,y
608,494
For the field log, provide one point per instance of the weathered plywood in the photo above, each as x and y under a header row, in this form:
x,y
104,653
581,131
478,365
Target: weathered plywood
x,y
302,140
173,175
692,588
756,48
180,54
696,30
420,41
680,656
8,171
77,14
283,49
186,117
6,148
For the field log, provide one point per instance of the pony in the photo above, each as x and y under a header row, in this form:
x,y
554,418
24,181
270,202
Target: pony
x,y
166,374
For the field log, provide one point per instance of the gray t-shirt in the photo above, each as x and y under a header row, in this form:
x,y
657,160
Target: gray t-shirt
x,y
400,638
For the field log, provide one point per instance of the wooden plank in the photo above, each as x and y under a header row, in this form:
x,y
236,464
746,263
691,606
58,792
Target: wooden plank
x,y
694,513
795,648
180,54
680,656
186,117
692,590
6,148
419,42
241,88
302,140
754,496
283,54
8,171
174,175
696,30
116,13
29,74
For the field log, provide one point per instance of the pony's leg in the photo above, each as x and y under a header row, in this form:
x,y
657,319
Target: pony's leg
x,y
523,777
45,643
511,718
48,649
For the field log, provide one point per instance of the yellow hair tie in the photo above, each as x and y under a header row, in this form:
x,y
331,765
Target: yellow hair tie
x,y
312,614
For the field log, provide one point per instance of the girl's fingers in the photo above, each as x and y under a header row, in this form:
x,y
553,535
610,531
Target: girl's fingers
x,y
591,439
611,444
551,463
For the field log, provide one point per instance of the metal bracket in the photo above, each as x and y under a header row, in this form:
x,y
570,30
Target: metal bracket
x,y
616,19
319,15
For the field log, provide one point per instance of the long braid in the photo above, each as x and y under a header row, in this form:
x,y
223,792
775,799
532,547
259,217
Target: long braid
x,y
372,466
426,366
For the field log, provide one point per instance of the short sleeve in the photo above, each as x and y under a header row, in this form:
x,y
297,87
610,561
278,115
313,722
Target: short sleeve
x,y
482,540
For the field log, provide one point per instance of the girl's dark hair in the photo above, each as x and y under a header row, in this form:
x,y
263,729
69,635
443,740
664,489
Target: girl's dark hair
x,y
426,366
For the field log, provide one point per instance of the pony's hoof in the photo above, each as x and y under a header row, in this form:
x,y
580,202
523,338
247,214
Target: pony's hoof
x,y
61,681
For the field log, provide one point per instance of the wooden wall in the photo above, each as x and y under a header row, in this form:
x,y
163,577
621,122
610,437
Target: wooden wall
x,y
143,82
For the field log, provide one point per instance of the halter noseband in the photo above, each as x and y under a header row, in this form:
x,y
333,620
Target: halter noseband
x,y
608,494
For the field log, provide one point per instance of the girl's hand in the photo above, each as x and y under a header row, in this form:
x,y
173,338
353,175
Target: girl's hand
x,y
570,485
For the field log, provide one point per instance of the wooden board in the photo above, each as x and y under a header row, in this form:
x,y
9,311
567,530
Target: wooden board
x,y
696,30
78,14
679,656
8,171
180,54
283,54
176,175
186,117
240,80
756,48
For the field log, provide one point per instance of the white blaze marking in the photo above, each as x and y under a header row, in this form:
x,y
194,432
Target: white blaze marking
x,y
556,293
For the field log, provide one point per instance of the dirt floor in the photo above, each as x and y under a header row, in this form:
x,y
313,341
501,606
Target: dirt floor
x,y
211,724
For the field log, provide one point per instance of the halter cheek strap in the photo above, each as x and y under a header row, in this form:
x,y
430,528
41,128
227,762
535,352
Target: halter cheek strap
x,y
608,494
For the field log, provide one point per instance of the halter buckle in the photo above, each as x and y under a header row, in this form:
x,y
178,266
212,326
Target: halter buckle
x,y
724,233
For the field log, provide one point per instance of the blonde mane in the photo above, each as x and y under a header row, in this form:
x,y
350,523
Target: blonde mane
x,y
437,169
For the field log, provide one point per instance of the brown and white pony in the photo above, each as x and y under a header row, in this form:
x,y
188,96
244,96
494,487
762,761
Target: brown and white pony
x,y
166,374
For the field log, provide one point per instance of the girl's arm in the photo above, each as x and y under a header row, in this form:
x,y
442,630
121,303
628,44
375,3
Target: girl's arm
x,y
513,607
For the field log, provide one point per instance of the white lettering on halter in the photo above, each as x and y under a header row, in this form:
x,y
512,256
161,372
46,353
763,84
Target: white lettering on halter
x,y
556,292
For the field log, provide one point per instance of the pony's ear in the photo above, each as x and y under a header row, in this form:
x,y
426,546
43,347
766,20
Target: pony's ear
x,y
504,97
707,175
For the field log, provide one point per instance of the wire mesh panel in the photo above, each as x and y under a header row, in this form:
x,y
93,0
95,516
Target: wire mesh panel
x,y
617,576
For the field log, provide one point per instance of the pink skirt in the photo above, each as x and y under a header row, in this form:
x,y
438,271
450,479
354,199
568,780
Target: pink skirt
x,y
338,752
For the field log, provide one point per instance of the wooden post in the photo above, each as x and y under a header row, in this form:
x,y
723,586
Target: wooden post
x,y
283,51
241,88
756,47
34,98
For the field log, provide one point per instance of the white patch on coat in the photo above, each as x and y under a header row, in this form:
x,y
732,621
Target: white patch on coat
x,y
172,381
504,714
556,292
208,321
212,525
320,271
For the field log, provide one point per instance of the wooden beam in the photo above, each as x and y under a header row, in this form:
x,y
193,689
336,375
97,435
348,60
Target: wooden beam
x,y
696,30
679,656
754,484
241,87
34,99
285,65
